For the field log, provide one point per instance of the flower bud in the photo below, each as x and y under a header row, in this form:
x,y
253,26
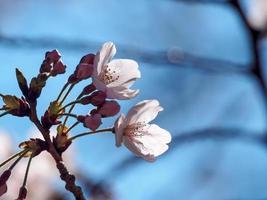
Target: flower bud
x,y
92,121
53,56
61,141
88,59
22,193
46,67
109,109
88,89
3,189
81,118
23,85
98,98
4,177
36,86
58,68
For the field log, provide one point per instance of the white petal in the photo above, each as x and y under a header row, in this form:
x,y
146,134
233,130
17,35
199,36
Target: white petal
x,y
127,70
145,111
152,145
103,57
136,147
159,134
119,128
121,93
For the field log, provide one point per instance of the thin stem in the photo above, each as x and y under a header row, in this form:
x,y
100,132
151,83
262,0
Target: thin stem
x,y
90,133
19,158
62,90
11,158
75,124
71,109
69,115
3,108
27,172
67,94
4,113
67,105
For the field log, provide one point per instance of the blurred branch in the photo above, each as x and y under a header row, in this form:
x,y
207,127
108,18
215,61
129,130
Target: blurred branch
x,y
255,37
216,134
172,57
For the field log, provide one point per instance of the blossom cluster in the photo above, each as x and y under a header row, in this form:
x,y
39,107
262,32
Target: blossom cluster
x,y
111,81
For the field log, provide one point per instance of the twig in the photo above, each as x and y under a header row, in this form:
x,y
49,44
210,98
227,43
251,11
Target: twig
x,y
68,178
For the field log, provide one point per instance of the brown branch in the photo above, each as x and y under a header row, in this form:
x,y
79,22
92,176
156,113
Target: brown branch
x,y
255,37
64,173
179,58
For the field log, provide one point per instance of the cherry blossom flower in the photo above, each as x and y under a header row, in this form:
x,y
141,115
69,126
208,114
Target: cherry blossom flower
x,y
115,77
134,131
257,14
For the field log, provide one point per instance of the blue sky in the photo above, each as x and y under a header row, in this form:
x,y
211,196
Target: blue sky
x,y
193,99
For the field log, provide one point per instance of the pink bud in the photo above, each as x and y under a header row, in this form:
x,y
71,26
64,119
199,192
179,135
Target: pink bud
x,y
3,189
45,67
53,56
88,59
98,98
22,193
4,177
88,89
72,79
92,121
109,108
59,68
83,71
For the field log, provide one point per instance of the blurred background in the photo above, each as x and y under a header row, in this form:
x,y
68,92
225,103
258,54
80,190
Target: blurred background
x,y
195,57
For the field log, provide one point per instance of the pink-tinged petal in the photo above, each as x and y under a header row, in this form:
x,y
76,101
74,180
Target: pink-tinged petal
x,y
3,189
145,111
126,70
159,134
109,109
99,84
153,146
119,128
103,57
121,93
92,121
136,147
139,149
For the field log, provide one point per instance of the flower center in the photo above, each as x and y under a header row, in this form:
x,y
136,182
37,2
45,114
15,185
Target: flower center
x,y
136,130
109,75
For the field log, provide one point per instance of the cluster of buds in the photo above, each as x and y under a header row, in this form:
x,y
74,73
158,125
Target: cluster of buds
x,y
111,80
52,64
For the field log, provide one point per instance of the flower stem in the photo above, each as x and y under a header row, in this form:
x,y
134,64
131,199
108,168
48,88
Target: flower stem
x,y
75,124
11,158
62,90
4,113
67,93
68,115
67,105
27,172
19,158
71,109
90,133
